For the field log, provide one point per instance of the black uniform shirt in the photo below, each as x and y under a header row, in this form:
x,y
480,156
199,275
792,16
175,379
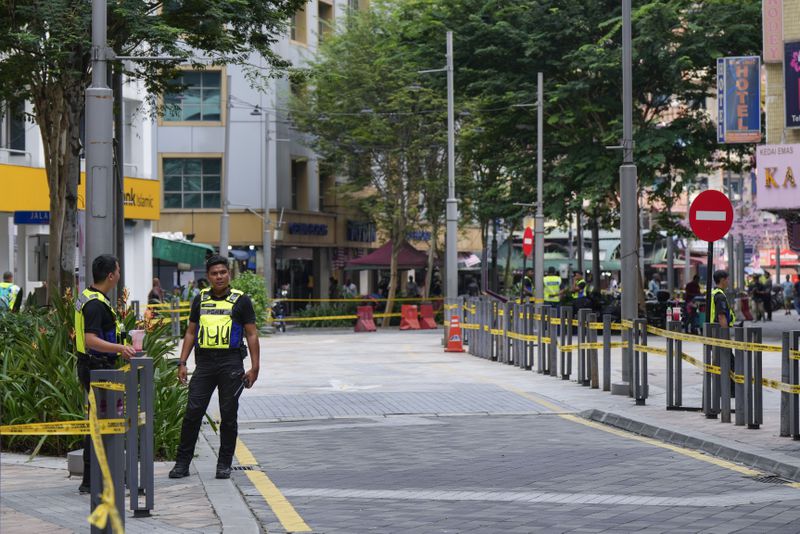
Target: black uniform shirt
x,y
721,306
98,320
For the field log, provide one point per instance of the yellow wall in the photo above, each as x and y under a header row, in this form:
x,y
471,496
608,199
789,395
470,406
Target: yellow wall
x,y
26,189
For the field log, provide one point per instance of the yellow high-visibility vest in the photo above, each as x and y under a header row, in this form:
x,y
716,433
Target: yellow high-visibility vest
x,y
713,317
217,329
112,336
552,287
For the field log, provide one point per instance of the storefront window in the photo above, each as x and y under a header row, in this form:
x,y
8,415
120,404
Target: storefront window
x,y
199,100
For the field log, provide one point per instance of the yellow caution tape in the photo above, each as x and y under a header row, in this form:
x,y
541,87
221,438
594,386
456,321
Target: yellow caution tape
x,y
650,349
619,344
626,324
794,354
452,307
113,386
467,326
725,343
63,428
496,331
107,508
365,299
142,418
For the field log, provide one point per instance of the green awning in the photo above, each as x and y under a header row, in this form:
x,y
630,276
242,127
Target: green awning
x,y
173,251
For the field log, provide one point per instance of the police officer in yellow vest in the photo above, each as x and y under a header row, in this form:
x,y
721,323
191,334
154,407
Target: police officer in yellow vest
x,y
9,293
721,312
220,321
98,334
552,287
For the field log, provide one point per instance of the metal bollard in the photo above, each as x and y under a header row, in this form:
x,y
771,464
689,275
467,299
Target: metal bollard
x,y
738,370
544,320
583,374
794,379
566,339
607,320
753,405
786,403
110,405
552,360
593,371
529,331
639,336
672,326
708,408
725,380
175,319
506,352
140,402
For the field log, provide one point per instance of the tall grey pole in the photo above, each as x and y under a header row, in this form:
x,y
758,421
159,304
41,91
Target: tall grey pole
x,y
687,267
119,177
628,186
538,224
100,181
451,266
777,263
223,221
267,237
729,242
670,265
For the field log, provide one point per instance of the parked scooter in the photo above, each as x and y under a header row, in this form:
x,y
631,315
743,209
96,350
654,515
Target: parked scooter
x,y
279,308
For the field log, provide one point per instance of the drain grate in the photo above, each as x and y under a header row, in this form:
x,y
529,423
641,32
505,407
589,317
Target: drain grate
x,y
770,479
243,468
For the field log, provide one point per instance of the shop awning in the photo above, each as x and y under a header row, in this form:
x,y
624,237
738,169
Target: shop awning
x,y
175,251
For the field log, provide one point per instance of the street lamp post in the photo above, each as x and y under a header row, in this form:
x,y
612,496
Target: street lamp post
x,y
99,124
628,191
266,161
451,241
224,186
538,224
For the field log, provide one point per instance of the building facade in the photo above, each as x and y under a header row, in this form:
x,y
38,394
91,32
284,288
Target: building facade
x,y
266,169
24,215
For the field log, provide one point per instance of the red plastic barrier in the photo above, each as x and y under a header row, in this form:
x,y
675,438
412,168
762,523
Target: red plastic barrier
x,y
408,319
745,302
427,320
365,321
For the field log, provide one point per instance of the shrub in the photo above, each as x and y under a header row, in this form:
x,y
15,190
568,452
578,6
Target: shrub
x,y
38,382
332,309
253,285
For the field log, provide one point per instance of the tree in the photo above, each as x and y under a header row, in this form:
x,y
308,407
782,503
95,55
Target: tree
x,y
370,119
47,44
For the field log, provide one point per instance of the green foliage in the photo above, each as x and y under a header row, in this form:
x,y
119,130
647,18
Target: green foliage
x,y
38,382
253,285
332,309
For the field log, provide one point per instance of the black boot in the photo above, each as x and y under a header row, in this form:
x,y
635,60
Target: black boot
x,y
179,471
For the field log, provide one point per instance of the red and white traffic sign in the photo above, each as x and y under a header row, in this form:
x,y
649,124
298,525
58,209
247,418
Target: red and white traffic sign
x,y
711,215
527,242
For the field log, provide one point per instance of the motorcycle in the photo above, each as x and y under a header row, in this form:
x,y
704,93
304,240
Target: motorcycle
x,y
279,309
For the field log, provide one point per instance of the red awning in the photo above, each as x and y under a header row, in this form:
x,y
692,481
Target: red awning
x,y
407,258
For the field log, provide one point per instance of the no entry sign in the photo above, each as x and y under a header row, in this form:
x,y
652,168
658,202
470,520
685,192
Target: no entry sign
x,y
711,215
527,242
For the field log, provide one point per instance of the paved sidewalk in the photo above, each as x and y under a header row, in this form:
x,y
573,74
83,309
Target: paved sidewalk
x,y
39,496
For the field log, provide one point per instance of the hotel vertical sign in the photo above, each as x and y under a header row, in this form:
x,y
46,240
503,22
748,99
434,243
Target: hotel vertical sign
x,y
739,99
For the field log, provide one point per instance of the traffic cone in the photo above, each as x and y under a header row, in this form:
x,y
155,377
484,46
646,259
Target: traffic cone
x,y
455,341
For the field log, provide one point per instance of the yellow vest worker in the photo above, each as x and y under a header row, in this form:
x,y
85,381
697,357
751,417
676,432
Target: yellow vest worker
x,y
552,287
9,294
721,312
106,334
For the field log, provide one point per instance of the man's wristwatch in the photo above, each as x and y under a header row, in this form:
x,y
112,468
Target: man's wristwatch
x,y
181,362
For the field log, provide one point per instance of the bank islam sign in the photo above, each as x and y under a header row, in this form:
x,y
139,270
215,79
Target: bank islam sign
x,y
778,173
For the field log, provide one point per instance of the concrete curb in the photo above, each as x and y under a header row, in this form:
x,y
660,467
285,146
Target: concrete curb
x,y
765,460
228,502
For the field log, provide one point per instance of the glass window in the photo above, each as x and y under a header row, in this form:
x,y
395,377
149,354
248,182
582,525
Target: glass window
x,y
196,98
191,183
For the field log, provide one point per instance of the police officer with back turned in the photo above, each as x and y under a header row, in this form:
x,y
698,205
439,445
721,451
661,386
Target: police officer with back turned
x,y
220,320
98,334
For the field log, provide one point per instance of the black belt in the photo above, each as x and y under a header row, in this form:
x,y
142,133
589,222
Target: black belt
x,y
100,362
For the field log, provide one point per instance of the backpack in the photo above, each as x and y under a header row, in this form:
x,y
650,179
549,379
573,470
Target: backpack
x,y
5,297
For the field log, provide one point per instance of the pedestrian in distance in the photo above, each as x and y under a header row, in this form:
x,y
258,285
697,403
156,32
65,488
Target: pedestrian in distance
x,y
156,295
721,312
220,321
99,339
10,294
412,290
654,285
788,294
767,281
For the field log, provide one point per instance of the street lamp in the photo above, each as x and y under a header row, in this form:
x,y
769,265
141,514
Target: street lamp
x,y
267,236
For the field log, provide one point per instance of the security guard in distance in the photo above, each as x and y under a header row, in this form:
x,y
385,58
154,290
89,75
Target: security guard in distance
x,y
552,287
721,312
10,298
220,321
99,339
